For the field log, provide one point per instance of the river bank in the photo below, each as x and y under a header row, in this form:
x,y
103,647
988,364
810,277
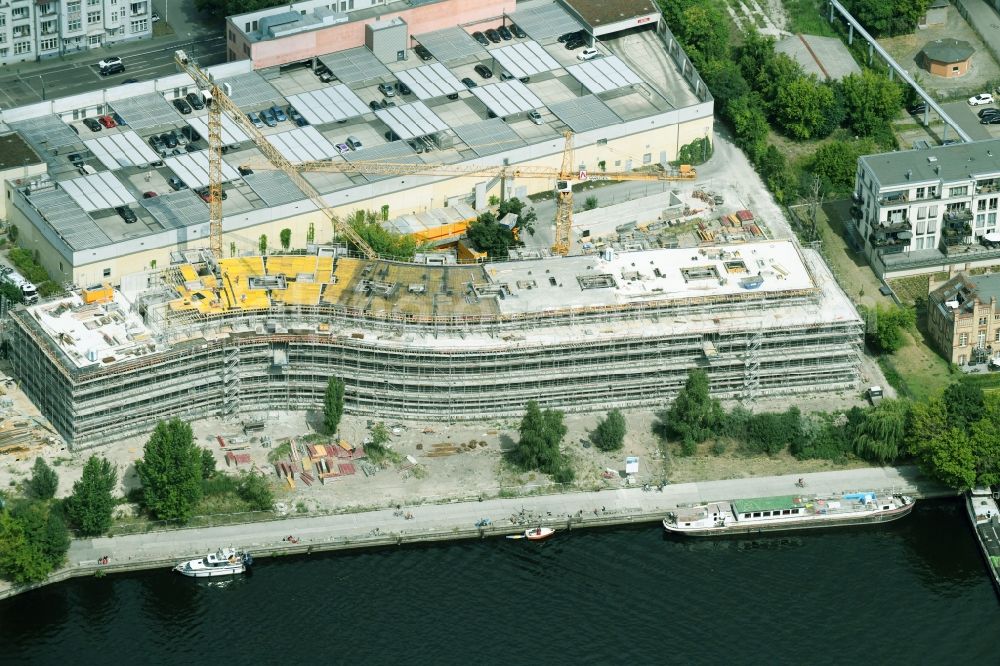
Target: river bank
x,y
456,520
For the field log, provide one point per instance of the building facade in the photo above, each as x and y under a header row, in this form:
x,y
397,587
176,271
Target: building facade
x,y
964,320
35,30
922,211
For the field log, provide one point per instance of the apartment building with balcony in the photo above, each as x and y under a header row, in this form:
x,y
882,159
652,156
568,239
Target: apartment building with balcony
x,y
35,29
922,211
963,318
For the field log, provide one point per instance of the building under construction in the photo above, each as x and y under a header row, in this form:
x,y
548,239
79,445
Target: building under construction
x,y
252,334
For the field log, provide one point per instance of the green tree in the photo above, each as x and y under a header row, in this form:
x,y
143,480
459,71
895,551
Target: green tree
x,y
262,244
207,464
489,236
770,433
836,163
774,169
725,81
964,402
92,504
895,17
376,448
333,404
590,203
43,482
750,126
610,432
694,415
949,458
171,472
881,435
20,561
871,101
526,217
887,325
704,31
256,491
310,234
44,528
985,441
385,243
11,292
286,239
540,436
801,106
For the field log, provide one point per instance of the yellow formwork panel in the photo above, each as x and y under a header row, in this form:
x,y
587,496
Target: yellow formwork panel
x,y
291,265
188,273
347,268
300,293
324,269
249,266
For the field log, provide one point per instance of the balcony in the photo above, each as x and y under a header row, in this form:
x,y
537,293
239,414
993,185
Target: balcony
x,y
895,227
987,186
890,198
956,217
890,243
956,234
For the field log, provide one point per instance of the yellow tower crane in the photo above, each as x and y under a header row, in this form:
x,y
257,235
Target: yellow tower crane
x,y
564,178
218,102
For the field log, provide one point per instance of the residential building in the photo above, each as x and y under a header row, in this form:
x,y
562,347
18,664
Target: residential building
x,y
963,318
35,30
922,211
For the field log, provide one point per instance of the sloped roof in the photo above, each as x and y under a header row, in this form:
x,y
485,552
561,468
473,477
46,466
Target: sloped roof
x,y
948,50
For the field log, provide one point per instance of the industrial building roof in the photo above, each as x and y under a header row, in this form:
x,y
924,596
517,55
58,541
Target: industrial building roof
x,y
599,13
459,129
450,44
98,191
544,20
604,74
16,152
958,161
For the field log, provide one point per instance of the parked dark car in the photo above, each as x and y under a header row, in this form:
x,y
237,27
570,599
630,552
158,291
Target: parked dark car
x,y
520,34
493,36
567,36
422,52
505,33
403,89
118,119
176,183
469,83
390,136
918,108
991,120
481,38
92,124
168,139
297,117
988,111
113,68
374,106
76,160
190,133
244,170
196,101
182,106
149,195
157,143
483,71
127,214
269,118
127,81
575,43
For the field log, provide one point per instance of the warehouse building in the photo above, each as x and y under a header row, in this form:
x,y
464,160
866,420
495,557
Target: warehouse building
x,y
107,206
475,341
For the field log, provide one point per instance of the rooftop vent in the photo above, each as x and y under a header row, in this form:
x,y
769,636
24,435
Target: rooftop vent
x,y
931,159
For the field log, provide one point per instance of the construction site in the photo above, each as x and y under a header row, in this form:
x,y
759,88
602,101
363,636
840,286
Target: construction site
x,y
235,336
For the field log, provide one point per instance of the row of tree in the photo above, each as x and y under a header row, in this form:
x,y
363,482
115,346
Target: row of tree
x,y
954,437
495,239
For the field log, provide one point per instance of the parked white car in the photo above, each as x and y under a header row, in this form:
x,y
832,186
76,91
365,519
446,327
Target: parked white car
x,y
588,54
981,98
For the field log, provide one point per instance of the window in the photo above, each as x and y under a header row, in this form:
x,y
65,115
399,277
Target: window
x,y
48,44
981,204
3,19
932,212
647,158
94,40
48,27
73,25
138,7
22,31
232,36
993,203
954,70
921,212
19,13
107,272
963,339
3,38
140,26
958,191
991,218
3,54
982,321
918,244
921,226
73,6
93,3
22,47
920,192
996,337
93,17
930,243
980,221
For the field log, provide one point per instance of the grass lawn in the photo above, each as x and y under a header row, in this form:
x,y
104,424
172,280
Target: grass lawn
x,y
806,16
922,370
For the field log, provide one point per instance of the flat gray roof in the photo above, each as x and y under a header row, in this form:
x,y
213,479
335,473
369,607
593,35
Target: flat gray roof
x,y
355,65
123,149
584,113
604,74
397,151
506,98
958,161
489,137
98,191
329,104
411,120
46,133
251,90
450,44
545,20
192,168
146,112
176,210
303,144
524,59
231,132
274,187
71,222
430,81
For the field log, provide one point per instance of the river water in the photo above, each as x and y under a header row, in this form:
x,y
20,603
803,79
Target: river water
x,y
911,592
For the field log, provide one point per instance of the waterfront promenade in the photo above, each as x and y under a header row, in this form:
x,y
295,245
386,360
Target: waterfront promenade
x,y
438,522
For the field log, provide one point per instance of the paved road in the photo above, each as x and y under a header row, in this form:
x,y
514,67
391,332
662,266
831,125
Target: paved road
x,y
443,519
69,75
966,117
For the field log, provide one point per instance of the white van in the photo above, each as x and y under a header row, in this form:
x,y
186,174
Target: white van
x,y
354,142
87,170
588,54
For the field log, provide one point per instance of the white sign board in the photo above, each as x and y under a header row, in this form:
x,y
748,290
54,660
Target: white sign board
x,y
632,465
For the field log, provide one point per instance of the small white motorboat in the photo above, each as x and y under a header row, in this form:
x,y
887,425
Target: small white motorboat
x,y
223,562
538,533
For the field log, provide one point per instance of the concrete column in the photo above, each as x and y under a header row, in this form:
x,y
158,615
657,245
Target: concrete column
x,y
850,34
927,113
871,50
892,73
831,12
